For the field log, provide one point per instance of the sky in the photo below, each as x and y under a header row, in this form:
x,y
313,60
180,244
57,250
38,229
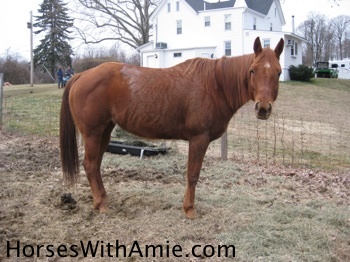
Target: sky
x,y
14,15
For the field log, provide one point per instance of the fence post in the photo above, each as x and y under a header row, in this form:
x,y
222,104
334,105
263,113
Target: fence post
x,y
1,97
224,146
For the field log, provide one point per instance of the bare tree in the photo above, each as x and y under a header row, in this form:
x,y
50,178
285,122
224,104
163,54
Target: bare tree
x,y
329,52
126,21
316,31
340,24
347,44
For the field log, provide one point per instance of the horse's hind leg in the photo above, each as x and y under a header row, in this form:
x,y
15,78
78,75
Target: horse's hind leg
x,y
95,146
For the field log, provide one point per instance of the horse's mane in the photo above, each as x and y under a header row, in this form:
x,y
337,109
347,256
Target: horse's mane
x,y
231,74
203,68
235,79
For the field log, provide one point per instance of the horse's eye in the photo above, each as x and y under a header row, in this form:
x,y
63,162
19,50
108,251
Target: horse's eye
x,y
279,74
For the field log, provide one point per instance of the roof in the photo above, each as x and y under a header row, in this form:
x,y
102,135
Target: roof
x,y
144,45
261,6
300,38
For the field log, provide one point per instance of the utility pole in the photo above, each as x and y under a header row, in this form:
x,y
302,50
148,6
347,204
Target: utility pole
x,y
30,26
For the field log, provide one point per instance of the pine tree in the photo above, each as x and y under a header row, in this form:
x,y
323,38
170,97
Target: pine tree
x,y
54,48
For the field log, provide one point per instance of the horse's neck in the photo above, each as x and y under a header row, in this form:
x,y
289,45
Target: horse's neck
x,y
235,73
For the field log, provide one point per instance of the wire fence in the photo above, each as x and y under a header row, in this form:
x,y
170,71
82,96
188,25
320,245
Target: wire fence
x,y
31,115
290,139
284,139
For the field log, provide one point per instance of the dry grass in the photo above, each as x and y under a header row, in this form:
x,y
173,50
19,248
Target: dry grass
x,y
269,214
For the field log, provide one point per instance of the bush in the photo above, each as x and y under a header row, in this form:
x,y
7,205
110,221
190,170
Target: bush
x,y
87,63
17,71
301,73
93,58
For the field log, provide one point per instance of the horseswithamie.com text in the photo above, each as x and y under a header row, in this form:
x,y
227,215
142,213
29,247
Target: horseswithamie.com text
x,y
115,249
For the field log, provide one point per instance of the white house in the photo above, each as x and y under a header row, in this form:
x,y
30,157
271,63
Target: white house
x,y
184,29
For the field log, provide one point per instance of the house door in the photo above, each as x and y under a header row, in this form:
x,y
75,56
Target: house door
x,y
151,61
205,55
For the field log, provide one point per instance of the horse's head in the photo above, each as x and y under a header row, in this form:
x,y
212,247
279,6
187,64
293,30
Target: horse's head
x,y
264,77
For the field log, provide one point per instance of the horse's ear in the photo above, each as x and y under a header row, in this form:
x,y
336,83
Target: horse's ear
x,y
257,46
279,48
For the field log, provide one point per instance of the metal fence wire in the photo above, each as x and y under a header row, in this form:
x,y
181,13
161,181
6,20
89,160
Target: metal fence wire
x,y
36,116
289,140
284,139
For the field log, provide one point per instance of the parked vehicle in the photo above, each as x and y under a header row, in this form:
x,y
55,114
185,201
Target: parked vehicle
x,y
323,70
342,66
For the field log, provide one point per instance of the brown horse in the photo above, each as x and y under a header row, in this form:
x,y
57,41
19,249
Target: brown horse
x,y
192,101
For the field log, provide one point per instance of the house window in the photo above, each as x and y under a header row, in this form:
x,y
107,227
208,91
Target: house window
x,y
294,49
266,43
227,48
270,26
177,6
179,27
178,54
169,9
227,22
275,12
207,21
254,23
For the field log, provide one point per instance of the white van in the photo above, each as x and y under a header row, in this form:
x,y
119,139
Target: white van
x,y
343,67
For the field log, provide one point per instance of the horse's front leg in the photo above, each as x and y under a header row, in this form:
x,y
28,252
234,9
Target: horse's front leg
x,y
197,147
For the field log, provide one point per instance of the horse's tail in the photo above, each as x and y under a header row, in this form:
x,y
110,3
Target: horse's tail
x,y
68,140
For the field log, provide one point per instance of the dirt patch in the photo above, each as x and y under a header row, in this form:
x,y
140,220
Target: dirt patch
x,y
265,212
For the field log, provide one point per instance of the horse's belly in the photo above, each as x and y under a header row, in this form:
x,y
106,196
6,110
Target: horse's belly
x,y
152,125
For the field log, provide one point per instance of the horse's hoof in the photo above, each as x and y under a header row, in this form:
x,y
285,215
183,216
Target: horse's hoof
x,y
103,210
101,207
191,214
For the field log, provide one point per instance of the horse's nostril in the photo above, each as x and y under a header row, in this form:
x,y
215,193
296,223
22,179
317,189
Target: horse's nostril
x,y
263,111
257,106
269,109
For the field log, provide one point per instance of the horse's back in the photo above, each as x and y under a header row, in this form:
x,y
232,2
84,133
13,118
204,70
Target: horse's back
x,y
149,102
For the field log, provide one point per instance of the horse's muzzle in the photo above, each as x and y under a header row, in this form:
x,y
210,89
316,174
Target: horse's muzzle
x,y
263,111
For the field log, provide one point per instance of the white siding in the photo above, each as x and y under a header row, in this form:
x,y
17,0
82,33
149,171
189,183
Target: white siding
x,y
289,58
197,40
166,25
194,33
275,20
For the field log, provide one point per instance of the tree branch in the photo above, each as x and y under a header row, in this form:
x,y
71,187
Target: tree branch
x,y
126,21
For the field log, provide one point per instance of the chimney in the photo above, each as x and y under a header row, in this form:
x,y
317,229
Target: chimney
x,y
293,27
